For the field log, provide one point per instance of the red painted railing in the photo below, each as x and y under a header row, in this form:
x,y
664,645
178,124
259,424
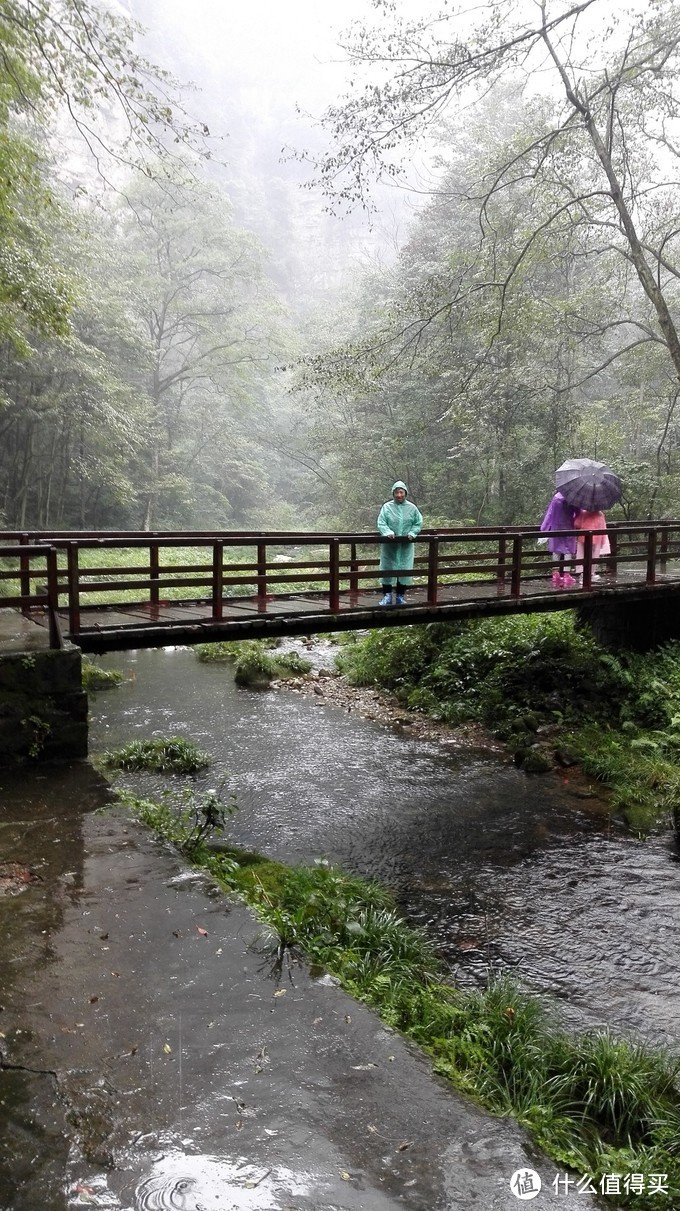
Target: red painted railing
x,y
342,566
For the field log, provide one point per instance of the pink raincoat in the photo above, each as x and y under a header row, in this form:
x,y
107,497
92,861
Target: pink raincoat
x,y
592,521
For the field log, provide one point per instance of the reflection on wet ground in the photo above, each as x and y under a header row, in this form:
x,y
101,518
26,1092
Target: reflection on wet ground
x,y
504,870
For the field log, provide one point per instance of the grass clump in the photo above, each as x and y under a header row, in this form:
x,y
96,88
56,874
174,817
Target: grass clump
x,y
595,1103
96,678
253,664
160,756
228,651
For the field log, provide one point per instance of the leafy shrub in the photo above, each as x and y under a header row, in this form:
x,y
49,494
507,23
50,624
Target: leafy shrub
x,y
172,756
96,678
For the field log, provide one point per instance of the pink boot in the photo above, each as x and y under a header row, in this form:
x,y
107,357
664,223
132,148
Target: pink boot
x,y
568,580
556,580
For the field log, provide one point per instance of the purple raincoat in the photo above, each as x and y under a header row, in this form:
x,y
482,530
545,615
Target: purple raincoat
x,y
560,516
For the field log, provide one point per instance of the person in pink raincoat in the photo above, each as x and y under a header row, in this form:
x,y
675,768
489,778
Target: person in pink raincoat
x,y
586,520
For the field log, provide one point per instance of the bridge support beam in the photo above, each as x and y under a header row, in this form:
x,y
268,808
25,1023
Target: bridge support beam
x,y
637,624
43,708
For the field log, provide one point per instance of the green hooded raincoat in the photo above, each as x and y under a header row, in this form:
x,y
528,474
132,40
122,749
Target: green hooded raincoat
x,y
400,520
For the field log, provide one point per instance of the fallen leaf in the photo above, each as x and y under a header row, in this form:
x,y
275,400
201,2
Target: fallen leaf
x,y
115,973
93,1000
203,932
167,1048
346,1177
316,1021
348,1019
175,933
390,1058
406,1144
104,937
280,992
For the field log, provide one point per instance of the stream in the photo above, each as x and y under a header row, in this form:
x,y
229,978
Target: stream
x,y
504,871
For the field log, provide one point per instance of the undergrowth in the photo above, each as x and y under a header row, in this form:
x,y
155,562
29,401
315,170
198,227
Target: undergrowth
x,y
96,678
594,1102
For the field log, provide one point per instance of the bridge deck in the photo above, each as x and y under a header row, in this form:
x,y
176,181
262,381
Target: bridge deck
x,y
106,628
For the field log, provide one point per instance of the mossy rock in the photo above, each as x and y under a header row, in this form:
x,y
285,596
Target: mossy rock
x,y
565,755
531,721
253,677
536,762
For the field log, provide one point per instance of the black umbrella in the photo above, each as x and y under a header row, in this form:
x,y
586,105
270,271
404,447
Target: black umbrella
x,y
587,484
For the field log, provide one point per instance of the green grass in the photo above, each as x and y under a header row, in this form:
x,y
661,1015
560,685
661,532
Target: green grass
x,y
161,756
594,1102
253,663
96,678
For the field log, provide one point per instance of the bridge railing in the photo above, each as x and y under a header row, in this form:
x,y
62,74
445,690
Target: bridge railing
x,y
153,572
33,570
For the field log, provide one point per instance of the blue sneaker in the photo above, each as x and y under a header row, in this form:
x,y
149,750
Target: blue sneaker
x,y
400,599
386,600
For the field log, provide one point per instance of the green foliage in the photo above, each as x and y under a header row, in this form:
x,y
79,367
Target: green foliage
x,y
254,667
96,678
494,670
188,818
172,756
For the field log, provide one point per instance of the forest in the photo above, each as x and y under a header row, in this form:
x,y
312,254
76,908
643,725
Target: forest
x,y
182,345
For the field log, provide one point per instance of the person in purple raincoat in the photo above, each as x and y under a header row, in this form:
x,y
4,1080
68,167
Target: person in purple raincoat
x,y
560,516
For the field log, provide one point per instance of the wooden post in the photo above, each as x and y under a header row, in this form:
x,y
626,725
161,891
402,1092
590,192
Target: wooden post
x,y
651,557
612,565
73,589
24,574
432,570
587,559
663,551
516,579
502,560
334,576
53,599
154,570
261,575
353,570
217,580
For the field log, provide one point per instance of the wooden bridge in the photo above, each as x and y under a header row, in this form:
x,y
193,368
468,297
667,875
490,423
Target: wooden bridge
x,y
116,590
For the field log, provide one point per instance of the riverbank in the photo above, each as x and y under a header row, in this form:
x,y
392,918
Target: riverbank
x,y
330,687
545,690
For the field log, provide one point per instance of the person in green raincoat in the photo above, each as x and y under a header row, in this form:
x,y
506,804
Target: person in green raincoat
x,y
398,519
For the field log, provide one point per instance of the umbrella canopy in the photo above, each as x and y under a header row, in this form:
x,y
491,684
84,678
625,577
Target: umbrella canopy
x,y
588,484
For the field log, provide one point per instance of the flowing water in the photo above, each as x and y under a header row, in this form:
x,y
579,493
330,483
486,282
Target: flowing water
x,y
504,871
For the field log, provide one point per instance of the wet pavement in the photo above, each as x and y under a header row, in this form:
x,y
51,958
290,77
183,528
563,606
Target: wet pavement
x,y
151,1059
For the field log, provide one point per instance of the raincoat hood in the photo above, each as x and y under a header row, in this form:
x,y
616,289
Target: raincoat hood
x,y
399,484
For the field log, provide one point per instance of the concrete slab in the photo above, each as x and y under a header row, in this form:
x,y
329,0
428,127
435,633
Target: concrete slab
x,y
153,1058
20,634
